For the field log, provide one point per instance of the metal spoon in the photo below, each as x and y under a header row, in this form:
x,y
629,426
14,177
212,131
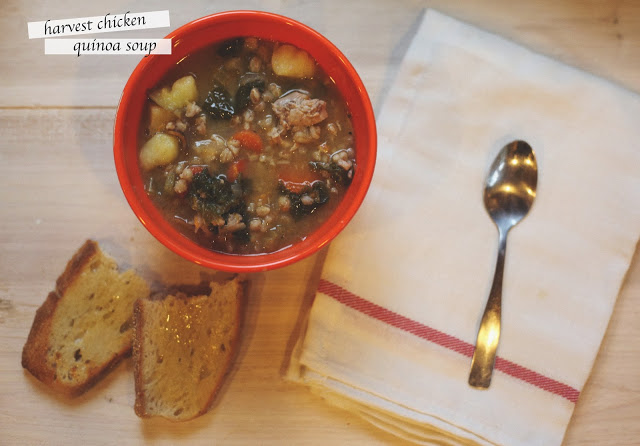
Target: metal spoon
x,y
508,195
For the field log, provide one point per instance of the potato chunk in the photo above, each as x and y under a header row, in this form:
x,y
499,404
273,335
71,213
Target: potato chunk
x,y
160,150
159,118
289,61
182,92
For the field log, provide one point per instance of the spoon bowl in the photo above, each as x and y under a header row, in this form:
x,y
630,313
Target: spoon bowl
x,y
509,193
511,184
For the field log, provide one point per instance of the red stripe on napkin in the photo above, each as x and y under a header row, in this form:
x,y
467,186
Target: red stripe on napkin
x,y
382,314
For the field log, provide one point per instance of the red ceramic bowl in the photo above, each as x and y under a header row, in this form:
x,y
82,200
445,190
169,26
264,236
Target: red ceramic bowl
x,y
206,31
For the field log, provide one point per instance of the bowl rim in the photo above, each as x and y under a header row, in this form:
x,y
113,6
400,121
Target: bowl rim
x,y
170,237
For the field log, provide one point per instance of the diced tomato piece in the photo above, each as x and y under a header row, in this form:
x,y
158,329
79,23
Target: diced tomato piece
x,y
196,169
249,140
235,169
297,180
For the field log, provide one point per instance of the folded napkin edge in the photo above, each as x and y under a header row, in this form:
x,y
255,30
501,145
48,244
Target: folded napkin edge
x,y
443,339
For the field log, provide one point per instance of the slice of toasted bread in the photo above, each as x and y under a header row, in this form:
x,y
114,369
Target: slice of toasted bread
x,y
183,348
84,327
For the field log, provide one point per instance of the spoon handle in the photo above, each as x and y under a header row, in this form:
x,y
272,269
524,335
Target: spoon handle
x,y
484,356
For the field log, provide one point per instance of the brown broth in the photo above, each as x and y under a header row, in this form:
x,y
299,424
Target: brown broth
x,y
282,177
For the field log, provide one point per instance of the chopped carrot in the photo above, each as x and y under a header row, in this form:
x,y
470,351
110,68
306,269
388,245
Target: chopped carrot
x,y
297,180
235,169
249,140
196,169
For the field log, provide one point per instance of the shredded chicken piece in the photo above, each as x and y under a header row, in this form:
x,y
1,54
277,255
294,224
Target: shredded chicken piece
x,y
181,126
201,125
186,174
234,223
184,179
296,109
191,110
180,187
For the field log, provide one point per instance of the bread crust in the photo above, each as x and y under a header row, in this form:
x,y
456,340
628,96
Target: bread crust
x,y
140,406
76,265
137,355
35,350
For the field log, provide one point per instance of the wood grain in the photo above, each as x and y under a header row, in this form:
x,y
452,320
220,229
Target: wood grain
x,y
59,187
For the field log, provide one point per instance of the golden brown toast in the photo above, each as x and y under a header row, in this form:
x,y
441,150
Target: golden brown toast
x,y
83,328
183,348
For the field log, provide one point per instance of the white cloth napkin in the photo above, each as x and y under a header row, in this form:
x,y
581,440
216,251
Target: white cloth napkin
x,y
392,327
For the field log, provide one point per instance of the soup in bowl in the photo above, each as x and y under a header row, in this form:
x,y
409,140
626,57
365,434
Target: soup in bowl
x,y
248,148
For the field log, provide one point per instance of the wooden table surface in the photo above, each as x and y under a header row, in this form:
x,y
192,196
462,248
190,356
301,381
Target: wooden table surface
x,y
59,187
